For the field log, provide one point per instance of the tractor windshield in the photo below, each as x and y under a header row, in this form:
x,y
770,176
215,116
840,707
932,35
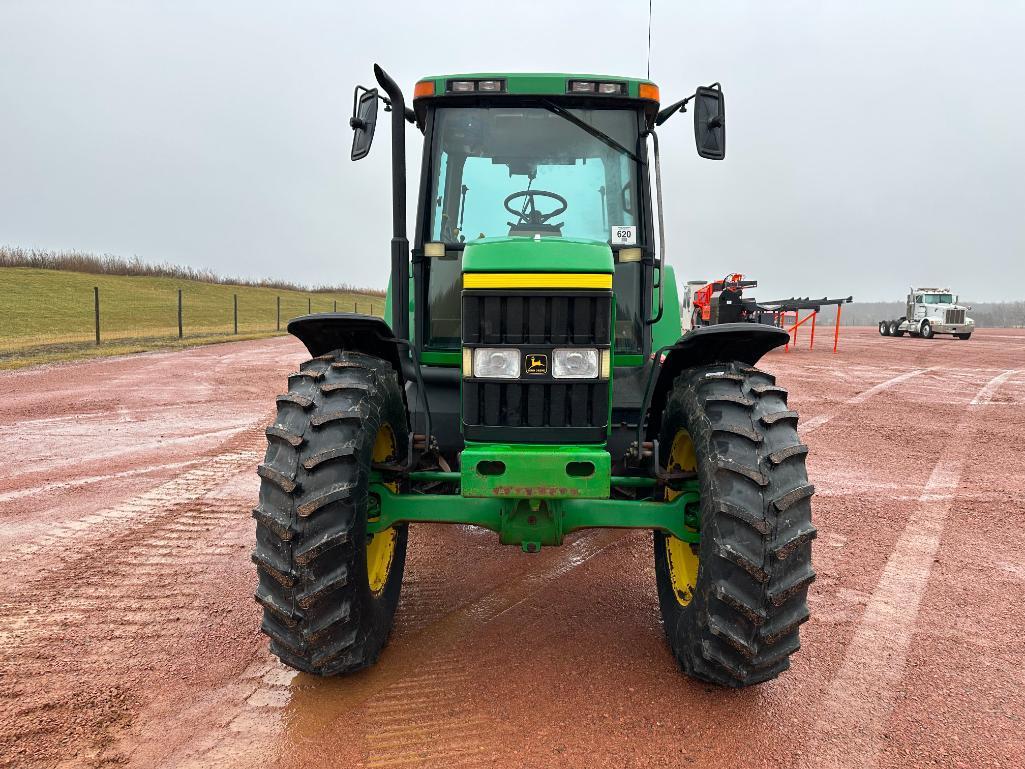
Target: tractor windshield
x,y
938,298
526,171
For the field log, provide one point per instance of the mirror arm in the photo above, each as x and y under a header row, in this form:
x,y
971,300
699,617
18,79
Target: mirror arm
x,y
680,106
407,112
664,114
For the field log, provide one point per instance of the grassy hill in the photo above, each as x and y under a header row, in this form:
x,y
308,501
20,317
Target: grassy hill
x,y
48,315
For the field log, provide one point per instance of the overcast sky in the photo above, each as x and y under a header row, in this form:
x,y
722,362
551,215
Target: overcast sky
x,y
870,144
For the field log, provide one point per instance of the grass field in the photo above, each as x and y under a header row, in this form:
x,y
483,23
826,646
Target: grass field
x,y
48,315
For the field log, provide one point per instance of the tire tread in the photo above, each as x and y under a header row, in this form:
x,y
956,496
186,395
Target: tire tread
x,y
741,625
310,520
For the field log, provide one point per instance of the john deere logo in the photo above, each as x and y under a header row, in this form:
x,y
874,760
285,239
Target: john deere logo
x,y
535,364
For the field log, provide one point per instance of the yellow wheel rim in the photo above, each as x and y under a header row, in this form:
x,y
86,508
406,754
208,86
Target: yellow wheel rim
x,y
381,547
681,557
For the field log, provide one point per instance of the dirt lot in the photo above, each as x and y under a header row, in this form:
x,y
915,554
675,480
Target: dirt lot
x,y
128,634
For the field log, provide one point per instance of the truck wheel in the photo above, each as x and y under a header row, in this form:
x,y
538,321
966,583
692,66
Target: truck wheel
x,y
884,328
964,336
895,328
925,331
328,590
731,606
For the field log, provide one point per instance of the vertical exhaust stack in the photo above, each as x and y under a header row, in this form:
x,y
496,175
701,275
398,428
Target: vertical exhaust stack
x,y
399,241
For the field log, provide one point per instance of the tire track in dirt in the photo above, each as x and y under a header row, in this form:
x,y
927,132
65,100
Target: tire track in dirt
x,y
814,423
420,672
853,711
96,601
76,643
114,435
91,479
424,720
19,550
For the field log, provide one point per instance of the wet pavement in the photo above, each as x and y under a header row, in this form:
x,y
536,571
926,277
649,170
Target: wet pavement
x,y
129,637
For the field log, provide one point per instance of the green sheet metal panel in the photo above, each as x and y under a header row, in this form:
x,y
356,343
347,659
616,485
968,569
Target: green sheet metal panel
x,y
535,472
669,328
510,254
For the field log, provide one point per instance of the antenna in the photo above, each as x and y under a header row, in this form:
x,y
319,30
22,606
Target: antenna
x,y
649,40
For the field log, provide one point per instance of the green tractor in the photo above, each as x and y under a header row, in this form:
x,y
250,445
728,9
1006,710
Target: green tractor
x,y
532,378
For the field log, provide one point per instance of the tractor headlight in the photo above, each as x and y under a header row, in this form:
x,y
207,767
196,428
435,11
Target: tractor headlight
x,y
575,363
496,363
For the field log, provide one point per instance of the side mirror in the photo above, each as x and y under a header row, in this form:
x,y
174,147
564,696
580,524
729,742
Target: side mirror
x,y
363,121
710,123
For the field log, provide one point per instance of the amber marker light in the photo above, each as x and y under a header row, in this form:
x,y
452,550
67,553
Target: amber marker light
x,y
423,88
648,91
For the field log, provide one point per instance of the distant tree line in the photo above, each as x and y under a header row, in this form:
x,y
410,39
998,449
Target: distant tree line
x,y
985,314
108,264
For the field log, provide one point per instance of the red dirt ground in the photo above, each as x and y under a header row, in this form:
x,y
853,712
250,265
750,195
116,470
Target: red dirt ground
x,y
128,634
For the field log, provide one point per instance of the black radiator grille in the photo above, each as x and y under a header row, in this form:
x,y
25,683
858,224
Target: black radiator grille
x,y
580,318
537,404
536,410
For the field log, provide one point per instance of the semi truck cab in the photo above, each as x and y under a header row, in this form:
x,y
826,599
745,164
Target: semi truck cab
x,y
931,311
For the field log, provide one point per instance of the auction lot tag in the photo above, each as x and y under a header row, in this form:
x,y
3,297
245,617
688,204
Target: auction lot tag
x,y
625,235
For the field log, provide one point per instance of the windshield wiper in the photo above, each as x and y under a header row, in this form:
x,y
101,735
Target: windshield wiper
x,y
595,132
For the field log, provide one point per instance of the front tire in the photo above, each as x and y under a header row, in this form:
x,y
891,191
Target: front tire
x,y
731,606
926,331
964,336
328,591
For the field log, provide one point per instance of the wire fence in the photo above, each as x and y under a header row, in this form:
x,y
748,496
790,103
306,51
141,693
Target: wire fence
x,y
98,315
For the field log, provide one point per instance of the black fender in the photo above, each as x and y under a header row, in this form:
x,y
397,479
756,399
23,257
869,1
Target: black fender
x,y
722,343
352,332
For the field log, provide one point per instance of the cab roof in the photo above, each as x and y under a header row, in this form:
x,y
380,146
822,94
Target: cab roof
x,y
491,85
538,83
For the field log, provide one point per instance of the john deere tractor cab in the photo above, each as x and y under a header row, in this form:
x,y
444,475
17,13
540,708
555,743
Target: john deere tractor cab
x,y
531,377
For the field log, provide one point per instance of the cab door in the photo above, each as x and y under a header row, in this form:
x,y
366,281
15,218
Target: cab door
x,y
919,309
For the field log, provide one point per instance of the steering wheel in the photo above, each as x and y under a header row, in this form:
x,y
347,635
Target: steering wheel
x,y
529,214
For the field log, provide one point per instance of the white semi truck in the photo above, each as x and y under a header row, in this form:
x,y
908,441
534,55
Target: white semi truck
x,y
930,311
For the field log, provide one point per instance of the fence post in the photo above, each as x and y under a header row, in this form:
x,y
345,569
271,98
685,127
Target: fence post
x,y
179,313
96,308
814,314
309,305
279,313
836,331
336,305
235,301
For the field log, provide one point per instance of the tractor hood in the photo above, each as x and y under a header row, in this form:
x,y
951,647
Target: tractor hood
x,y
536,255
